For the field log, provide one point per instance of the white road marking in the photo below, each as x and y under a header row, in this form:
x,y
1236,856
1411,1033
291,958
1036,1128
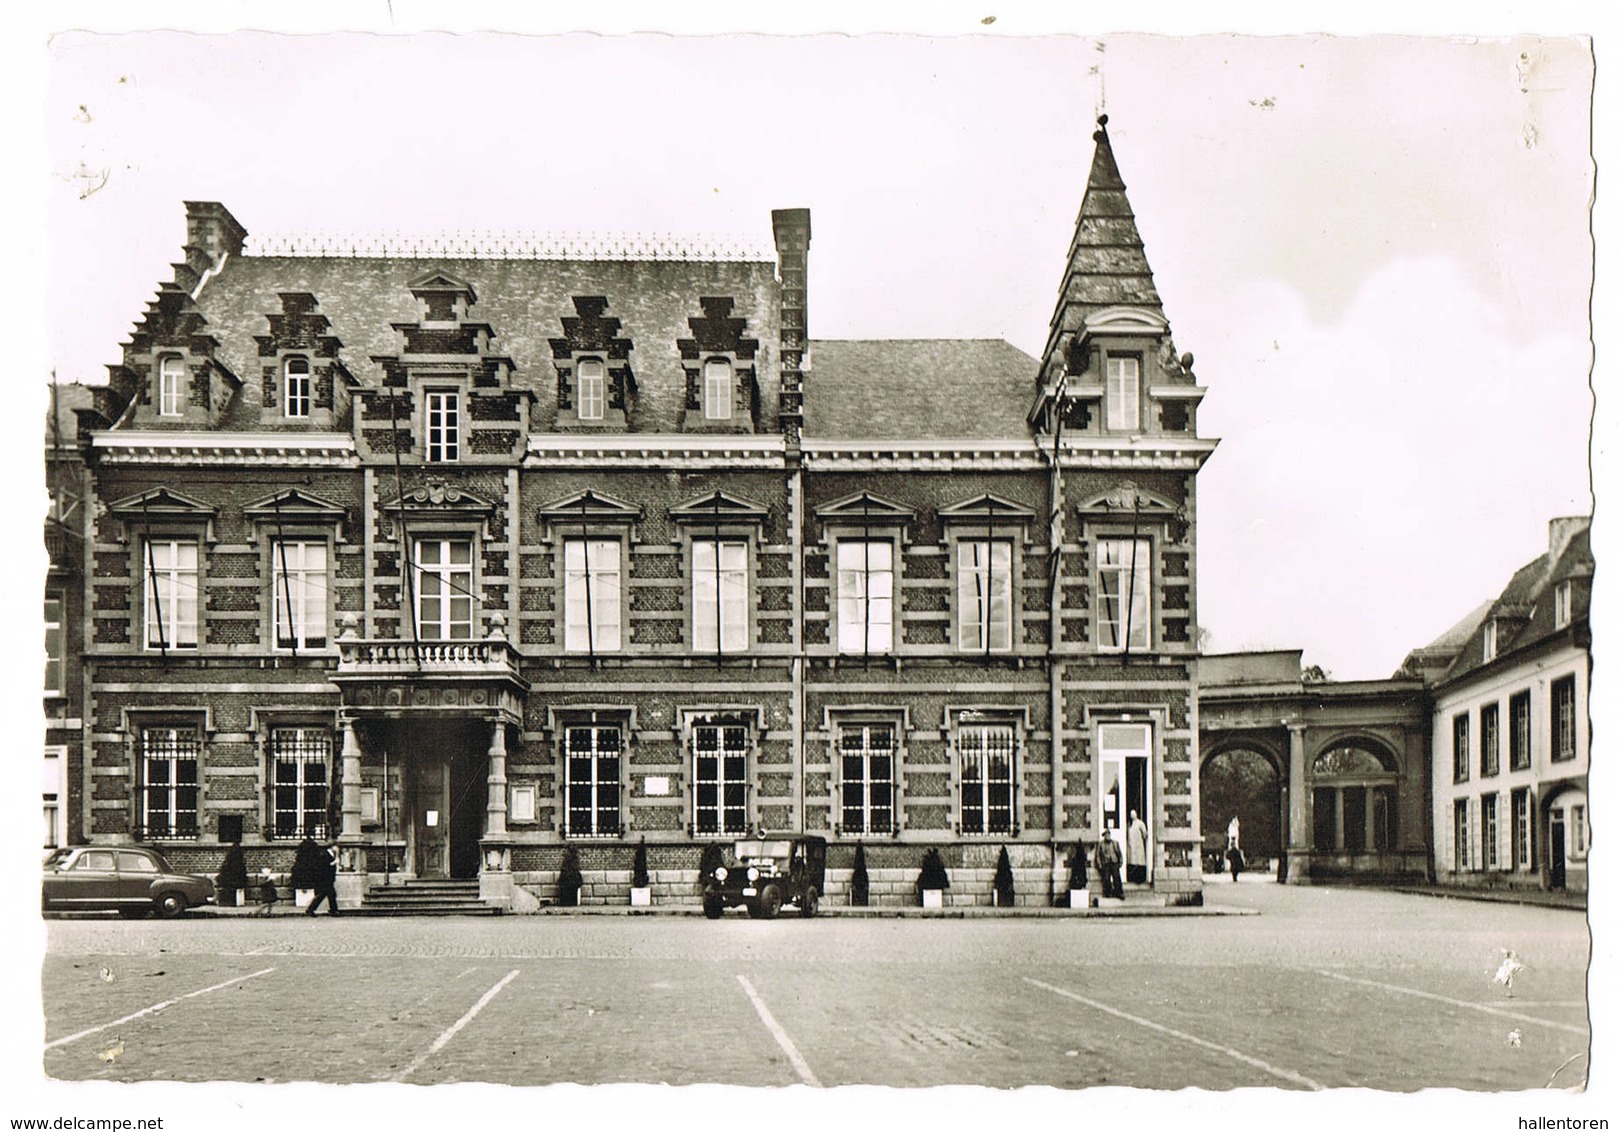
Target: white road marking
x,y
467,972
1457,1002
164,1005
1548,1002
1275,1071
443,1039
805,1074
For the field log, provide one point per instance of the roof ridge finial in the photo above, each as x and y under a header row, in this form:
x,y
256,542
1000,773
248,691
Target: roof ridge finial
x,y
1101,129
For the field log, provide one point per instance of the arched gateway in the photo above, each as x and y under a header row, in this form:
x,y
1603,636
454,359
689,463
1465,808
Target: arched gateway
x,y
1242,782
1327,776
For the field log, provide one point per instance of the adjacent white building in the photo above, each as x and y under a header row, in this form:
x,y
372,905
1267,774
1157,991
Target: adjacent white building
x,y
1511,737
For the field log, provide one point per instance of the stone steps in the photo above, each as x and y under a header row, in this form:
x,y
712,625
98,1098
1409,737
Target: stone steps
x,y
426,898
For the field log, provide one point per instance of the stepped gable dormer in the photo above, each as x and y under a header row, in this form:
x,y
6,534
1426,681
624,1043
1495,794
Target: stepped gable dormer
x,y
171,373
722,387
447,398
304,380
1110,363
595,382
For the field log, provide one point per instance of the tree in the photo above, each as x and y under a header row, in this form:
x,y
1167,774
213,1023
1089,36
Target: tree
x,y
641,878
232,875
570,880
713,858
1078,876
308,865
1004,896
933,874
860,882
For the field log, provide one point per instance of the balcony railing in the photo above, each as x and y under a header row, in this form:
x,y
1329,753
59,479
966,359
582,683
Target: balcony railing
x,y
490,656
471,658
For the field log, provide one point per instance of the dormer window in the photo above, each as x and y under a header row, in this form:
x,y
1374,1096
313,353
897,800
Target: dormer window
x,y
592,392
170,382
1490,641
717,389
1563,604
443,426
296,399
1124,394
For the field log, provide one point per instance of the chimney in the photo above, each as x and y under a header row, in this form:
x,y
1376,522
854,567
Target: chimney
x,y
792,230
1561,532
212,233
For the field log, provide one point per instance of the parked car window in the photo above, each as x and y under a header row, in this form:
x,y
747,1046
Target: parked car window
x,y
95,859
136,863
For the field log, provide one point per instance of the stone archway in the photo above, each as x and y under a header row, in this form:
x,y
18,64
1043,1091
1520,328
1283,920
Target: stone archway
x,y
1354,799
1242,781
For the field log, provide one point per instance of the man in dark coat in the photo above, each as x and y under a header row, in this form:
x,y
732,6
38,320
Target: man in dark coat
x,y
326,883
1108,860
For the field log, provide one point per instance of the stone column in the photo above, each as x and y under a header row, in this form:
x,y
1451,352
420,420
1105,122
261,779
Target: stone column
x,y
1298,814
495,827
495,882
351,857
351,782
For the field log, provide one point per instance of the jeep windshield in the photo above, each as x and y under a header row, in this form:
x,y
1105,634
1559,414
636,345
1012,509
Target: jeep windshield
x,y
747,851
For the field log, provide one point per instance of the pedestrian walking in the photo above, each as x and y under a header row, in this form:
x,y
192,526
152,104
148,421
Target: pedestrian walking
x,y
1108,860
1233,847
1233,855
267,893
1136,863
326,885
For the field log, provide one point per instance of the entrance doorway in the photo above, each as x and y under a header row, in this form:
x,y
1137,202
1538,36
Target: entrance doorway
x,y
1557,847
1126,756
446,795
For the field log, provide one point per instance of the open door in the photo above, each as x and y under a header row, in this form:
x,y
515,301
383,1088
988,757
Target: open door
x,y
1556,846
1126,761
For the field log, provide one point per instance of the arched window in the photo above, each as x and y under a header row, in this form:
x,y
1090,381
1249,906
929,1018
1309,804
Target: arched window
x,y
1354,794
296,397
170,386
717,389
591,392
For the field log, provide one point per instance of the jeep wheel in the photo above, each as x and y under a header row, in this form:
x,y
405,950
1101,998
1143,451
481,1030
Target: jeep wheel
x,y
713,907
809,903
170,905
769,902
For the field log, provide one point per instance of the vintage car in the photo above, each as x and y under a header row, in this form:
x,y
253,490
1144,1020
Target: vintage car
x,y
125,879
766,874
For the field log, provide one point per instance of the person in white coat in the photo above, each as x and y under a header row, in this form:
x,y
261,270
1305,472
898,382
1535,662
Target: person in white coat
x,y
1135,861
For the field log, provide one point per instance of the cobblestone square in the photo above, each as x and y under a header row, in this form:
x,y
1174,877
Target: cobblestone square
x,y
1325,988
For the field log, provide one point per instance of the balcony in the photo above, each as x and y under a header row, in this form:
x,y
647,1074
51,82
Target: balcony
x,y
437,658
491,661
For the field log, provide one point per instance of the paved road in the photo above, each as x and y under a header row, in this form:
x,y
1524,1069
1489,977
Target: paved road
x,y
1325,988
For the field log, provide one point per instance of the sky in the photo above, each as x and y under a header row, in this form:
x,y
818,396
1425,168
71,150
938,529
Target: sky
x,y
1377,248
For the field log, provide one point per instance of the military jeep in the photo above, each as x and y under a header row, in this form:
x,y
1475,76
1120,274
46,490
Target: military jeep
x,y
763,875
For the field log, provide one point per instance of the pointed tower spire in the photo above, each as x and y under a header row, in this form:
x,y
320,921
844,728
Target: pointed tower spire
x,y
1107,265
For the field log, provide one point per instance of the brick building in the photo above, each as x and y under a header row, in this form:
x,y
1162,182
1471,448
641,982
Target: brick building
x,y
64,686
468,561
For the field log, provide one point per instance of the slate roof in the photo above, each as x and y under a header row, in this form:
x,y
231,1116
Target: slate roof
x,y
1525,609
917,389
523,300
1107,262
